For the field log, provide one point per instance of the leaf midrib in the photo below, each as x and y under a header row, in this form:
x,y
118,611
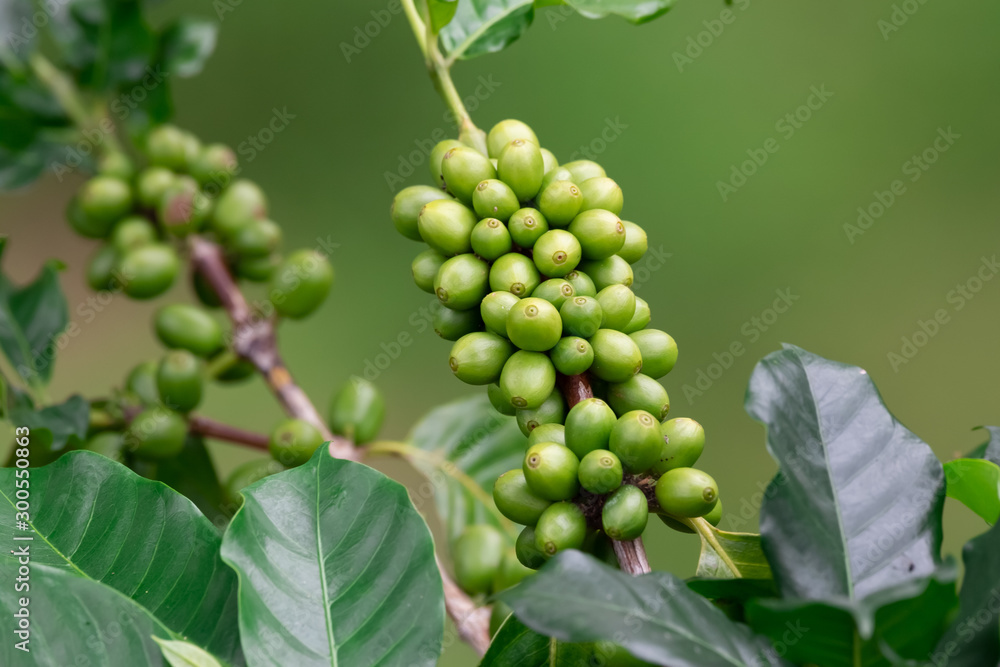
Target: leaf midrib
x,y
322,575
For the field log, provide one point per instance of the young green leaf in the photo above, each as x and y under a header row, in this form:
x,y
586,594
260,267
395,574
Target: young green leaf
x,y
856,506
516,644
185,654
336,567
727,555
576,598
976,484
485,26
635,11
442,12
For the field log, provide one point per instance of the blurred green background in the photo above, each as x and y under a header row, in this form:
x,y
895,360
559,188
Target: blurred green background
x,y
680,128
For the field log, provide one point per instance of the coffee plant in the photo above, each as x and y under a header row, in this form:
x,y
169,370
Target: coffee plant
x,y
124,548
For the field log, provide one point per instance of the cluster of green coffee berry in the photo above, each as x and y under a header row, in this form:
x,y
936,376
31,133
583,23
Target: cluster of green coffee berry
x,y
532,266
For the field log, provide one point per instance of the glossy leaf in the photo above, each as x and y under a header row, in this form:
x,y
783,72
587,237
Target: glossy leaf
x,y
655,616
976,484
470,444
856,506
731,555
31,317
904,620
485,26
336,567
186,44
53,429
517,644
185,654
97,519
636,11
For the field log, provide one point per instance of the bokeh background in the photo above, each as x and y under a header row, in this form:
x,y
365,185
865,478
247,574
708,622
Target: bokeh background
x,y
668,130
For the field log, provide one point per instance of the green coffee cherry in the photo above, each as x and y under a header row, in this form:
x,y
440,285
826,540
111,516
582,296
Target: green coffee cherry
x,y
553,175
184,208
516,500
637,441
141,381
616,356
293,442
494,310
608,271
462,282
534,325
527,379
636,243
103,200
556,253
243,476
102,267
676,524
499,401
514,273
572,355
581,282
257,269
552,411
233,370
184,327
117,165
640,318
658,349
639,392
301,284
406,207
526,226
258,238
582,170
687,492
204,291
108,443
581,316
152,183
562,526
463,169
555,290
505,132
527,549
625,513
215,163
357,411
180,381
477,555
490,239
521,166
549,160
425,268
600,472
437,157
479,358
149,271
446,225
453,324
547,433
551,471
589,424
600,233
510,573
617,306
601,192
132,232
715,516
560,202
684,441
169,146
156,433
238,204
494,199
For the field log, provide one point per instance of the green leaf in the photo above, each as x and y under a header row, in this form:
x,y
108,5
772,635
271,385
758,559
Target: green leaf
x,y
31,317
185,654
516,644
97,519
576,598
466,445
78,621
636,11
989,450
973,639
903,620
856,506
442,12
733,590
336,567
727,555
186,44
976,484
485,26
54,429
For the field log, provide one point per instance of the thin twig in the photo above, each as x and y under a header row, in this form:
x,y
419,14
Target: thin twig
x,y
471,621
205,426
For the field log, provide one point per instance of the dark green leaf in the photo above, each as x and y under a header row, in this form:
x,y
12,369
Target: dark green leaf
x,y
336,567
976,484
185,654
655,616
31,317
54,429
468,445
516,644
193,474
98,519
973,639
856,506
485,26
731,555
906,618
636,11
186,44
733,590
989,450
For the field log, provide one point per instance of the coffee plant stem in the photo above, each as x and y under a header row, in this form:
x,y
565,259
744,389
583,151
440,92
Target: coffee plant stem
x,y
197,424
